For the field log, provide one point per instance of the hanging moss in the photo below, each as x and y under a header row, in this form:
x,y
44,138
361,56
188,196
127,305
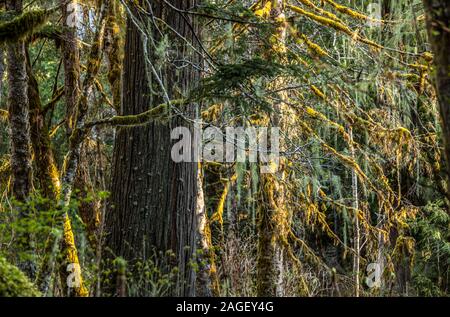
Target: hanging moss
x,y
339,26
23,25
13,283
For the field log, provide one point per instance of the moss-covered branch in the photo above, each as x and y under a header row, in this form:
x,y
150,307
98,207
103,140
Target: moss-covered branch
x,y
48,31
160,112
23,25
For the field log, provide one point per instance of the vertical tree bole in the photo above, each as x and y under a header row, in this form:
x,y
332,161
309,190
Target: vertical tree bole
x,y
153,200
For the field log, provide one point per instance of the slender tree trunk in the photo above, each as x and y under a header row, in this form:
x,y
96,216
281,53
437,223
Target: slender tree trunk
x,y
153,201
438,26
356,237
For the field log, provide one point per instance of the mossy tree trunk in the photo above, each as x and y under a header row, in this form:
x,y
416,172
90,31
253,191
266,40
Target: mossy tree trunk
x,y
71,61
153,201
19,125
273,217
114,51
19,114
438,26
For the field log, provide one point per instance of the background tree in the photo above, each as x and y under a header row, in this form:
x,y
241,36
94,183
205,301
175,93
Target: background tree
x,y
438,14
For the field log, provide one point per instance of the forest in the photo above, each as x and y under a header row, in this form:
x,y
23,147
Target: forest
x,y
224,148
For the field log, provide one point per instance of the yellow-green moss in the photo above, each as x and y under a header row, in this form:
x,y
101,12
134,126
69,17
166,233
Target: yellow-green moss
x,y
339,26
348,11
329,15
3,115
14,283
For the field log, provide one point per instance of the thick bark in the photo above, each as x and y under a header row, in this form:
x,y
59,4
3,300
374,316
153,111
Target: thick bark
x,y
153,199
438,25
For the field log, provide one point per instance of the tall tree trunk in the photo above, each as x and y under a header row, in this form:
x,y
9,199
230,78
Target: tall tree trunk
x,y
273,218
19,131
153,201
71,60
19,114
438,26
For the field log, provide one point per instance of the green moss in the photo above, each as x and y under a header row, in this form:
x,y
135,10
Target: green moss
x,y
13,283
23,25
49,31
